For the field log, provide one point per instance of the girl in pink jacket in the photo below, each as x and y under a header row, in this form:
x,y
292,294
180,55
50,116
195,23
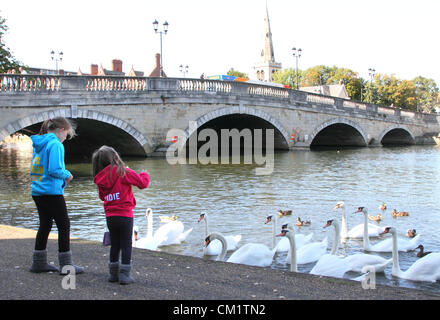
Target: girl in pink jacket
x,y
114,181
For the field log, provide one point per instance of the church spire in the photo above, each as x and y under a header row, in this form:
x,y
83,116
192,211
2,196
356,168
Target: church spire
x,y
267,53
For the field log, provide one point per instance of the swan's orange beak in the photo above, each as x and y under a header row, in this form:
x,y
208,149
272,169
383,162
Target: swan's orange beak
x,y
200,218
207,241
327,225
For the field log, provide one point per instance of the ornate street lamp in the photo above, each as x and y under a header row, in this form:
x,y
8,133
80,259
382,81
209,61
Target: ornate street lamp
x,y
297,55
184,70
164,31
59,58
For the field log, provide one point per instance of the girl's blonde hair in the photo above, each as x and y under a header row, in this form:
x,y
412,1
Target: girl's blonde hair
x,y
58,123
105,156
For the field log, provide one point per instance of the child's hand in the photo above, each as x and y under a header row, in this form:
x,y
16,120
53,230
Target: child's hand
x,y
69,179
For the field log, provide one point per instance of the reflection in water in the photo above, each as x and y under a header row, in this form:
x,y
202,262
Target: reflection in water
x,y
307,182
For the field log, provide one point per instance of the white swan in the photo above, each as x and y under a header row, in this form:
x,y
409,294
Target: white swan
x,y
284,245
387,244
149,242
330,264
170,233
292,244
309,252
215,247
253,254
424,269
357,231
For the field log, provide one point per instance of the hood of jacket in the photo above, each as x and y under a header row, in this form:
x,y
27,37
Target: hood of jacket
x,y
39,142
104,180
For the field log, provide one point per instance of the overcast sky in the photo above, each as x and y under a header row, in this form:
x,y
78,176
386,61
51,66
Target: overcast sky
x,y
399,37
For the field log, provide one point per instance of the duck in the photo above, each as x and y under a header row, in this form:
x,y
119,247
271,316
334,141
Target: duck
x,y
301,223
376,218
399,214
283,244
336,266
357,232
165,219
252,254
170,233
283,213
386,245
411,233
426,268
421,253
383,207
214,248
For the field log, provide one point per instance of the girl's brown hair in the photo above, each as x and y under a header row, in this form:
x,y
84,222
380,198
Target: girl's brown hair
x,y
105,156
58,123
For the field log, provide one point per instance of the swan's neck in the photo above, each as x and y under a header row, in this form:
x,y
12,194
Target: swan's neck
x,y
291,237
150,226
336,238
344,225
366,238
274,230
206,225
222,240
396,267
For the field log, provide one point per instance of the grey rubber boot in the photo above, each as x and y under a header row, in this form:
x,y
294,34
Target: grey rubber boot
x,y
124,274
65,259
113,268
39,262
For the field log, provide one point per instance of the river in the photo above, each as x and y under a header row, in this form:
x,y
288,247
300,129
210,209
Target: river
x,y
238,201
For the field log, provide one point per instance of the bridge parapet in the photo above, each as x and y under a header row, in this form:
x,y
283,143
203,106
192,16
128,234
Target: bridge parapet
x,y
15,90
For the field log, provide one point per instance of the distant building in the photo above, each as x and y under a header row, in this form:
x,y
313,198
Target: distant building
x,y
116,70
267,66
334,90
156,70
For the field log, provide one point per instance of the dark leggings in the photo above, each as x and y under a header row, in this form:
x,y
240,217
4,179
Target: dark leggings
x,y
121,232
50,208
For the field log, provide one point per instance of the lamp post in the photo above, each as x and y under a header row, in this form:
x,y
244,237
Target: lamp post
x,y
371,73
164,31
184,70
297,55
59,58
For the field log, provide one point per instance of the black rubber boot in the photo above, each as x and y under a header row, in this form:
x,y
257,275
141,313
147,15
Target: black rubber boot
x,y
39,262
113,268
124,274
65,259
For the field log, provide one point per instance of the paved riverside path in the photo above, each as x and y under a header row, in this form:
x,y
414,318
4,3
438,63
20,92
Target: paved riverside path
x,y
164,276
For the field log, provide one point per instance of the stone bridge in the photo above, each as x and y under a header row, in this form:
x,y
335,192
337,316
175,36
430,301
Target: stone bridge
x,y
134,114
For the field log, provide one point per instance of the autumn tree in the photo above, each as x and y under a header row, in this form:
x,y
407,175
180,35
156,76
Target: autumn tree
x,y
236,73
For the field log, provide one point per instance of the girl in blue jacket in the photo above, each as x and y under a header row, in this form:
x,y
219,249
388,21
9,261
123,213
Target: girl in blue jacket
x,y
49,177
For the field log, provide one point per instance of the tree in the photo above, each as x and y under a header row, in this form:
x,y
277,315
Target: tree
x,y
286,76
427,94
236,73
7,61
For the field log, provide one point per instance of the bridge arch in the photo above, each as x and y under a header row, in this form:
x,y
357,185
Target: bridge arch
x,y
83,114
333,127
396,135
240,110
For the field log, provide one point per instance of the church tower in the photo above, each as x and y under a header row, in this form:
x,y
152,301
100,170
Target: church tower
x,y
264,69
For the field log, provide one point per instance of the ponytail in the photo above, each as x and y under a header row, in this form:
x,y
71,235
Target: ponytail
x,y
57,123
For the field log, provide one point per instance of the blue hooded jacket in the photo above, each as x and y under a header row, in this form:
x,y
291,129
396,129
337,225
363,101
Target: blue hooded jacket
x,y
48,172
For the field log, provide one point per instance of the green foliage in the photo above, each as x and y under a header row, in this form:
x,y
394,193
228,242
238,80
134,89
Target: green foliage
x,y
7,61
236,73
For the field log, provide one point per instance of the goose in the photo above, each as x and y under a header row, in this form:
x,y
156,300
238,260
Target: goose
x,y
252,254
170,233
421,253
387,244
301,223
149,242
215,246
424,269
336,266
357,231
399,214
284,245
